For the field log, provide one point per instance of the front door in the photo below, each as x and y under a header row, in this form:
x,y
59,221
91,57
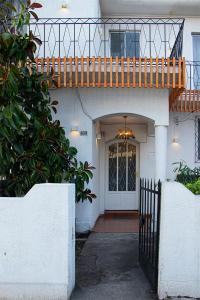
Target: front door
x,y
122,179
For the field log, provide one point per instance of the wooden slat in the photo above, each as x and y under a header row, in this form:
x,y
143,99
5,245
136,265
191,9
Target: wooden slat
x,y
82,71
76,71
37,63
179,73
111,72
157,83
184,72
128,72
99,71
151,73
145,72
64,71
163,73
88,72
93,71
174,73
42,62
140,73
105,72
53,68
70,72
134,74
48,69
122,72
59,72
168,72
116,72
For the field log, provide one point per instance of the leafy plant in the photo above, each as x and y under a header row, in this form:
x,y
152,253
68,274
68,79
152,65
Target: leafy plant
x,y
33,147
194,187
184,174
189,177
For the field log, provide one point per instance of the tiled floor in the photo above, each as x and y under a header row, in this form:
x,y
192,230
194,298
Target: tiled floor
x,y
118,222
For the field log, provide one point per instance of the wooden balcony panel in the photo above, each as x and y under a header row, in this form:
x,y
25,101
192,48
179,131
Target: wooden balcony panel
x,y
187,101
114,72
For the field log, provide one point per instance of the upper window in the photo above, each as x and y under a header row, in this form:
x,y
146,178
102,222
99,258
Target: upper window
x,y
196,59
125,43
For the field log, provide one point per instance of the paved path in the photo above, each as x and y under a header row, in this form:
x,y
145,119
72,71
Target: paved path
x,y
108,269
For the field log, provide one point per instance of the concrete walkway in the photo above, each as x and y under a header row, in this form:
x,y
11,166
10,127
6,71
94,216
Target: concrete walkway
x,y
108,269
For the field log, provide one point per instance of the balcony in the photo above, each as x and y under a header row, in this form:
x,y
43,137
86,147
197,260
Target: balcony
x,y
112,52
188,99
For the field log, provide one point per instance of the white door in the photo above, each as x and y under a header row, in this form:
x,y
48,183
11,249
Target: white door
x,y
122,180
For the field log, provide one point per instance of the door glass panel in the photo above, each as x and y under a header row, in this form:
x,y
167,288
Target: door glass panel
x,y
122,154
122,167
113,167
131,167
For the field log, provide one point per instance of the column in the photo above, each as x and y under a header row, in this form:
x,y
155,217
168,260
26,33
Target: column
x,y
160,152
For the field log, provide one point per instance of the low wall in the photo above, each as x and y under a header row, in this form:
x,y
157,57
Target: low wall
x,y
37,243
179,258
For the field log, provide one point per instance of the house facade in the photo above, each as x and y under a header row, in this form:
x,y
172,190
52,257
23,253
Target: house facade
x,y
120,65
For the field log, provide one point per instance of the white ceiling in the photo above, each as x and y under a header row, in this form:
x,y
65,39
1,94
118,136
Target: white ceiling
x,y
171,8
120,120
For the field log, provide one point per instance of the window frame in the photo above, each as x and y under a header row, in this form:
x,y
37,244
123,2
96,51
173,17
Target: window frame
x,y
125,48
195,68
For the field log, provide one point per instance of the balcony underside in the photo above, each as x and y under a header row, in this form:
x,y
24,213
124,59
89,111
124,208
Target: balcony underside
x,y
114,72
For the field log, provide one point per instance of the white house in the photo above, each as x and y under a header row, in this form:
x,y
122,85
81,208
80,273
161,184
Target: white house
x,y
123,68
124,58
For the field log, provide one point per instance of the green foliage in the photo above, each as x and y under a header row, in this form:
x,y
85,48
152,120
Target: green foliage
x,y
189,177
194,187
33,147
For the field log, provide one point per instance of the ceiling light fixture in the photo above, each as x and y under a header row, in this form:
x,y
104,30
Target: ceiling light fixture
x,y
125,133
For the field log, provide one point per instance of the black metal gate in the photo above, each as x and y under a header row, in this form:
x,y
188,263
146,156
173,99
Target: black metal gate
x,y
149,229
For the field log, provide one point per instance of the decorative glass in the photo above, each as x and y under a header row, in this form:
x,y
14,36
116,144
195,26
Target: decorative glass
x,y
122,156
122,167
113,167
131,167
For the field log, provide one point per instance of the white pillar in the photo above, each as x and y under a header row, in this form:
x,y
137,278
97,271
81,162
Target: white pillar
x,y
161,152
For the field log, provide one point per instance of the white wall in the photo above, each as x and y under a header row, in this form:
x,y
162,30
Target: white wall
x,y
179,258
77,9
38,244
84,106
184,149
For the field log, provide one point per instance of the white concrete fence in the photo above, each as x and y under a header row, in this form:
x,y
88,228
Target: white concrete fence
x,y
37,243
179,258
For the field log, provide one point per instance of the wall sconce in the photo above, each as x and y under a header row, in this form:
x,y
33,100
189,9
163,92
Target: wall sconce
x,y
64,6
99,136
74,131
175,140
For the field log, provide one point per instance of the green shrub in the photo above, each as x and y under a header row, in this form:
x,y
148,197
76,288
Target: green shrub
x,y
189,177
194,187
33,147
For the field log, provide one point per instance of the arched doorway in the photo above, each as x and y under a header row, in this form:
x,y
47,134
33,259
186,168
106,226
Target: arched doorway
x,y
122,170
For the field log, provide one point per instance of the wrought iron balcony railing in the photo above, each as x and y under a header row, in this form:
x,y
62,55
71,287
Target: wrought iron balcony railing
x,y
105,37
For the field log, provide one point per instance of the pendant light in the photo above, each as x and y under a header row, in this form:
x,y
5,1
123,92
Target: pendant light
x,y
125,133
